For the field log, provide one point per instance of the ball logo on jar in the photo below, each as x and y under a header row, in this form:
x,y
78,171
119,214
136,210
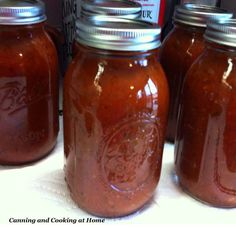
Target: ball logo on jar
x,y
129,154
14,94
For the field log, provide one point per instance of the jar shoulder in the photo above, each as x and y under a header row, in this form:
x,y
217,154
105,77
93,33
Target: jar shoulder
x,y
214,66
34,50
212,79
115,74
181,43
25,39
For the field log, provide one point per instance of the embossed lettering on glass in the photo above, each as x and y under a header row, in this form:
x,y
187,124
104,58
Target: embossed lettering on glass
x,y
28,83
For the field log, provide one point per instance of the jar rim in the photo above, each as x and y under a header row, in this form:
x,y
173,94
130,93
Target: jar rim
x,y
222,32
198,15
116,8
14,12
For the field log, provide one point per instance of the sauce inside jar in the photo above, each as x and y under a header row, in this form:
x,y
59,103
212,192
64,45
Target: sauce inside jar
x,y
28,84
115,112
181,48
205,143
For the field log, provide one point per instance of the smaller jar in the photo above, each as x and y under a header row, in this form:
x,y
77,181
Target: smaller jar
x,y
28,83
205,143
181,48
111,8
115,111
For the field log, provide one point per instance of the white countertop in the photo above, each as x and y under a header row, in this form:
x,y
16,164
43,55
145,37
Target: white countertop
x,y
39,191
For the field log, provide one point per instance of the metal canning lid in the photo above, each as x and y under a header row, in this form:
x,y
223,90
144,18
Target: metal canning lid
x,y
116,8
15,12
118,34
222,32
198,15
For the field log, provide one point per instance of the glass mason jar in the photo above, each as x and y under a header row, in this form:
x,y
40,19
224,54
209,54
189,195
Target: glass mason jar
x,y
115,112
205,144
181,48
28,83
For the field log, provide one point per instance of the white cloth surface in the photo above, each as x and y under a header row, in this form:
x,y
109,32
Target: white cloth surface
x,y
39,191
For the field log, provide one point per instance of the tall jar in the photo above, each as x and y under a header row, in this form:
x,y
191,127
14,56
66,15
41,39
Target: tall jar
x,y
28,83
206,145
115,111
181,48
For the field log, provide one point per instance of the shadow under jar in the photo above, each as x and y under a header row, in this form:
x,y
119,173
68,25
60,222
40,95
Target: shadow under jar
x,y
115,111
181,48
205,143
28,84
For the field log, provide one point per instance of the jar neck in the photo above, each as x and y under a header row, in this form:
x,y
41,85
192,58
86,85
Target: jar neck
x,y
189,28
127,54
220,47
22,28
